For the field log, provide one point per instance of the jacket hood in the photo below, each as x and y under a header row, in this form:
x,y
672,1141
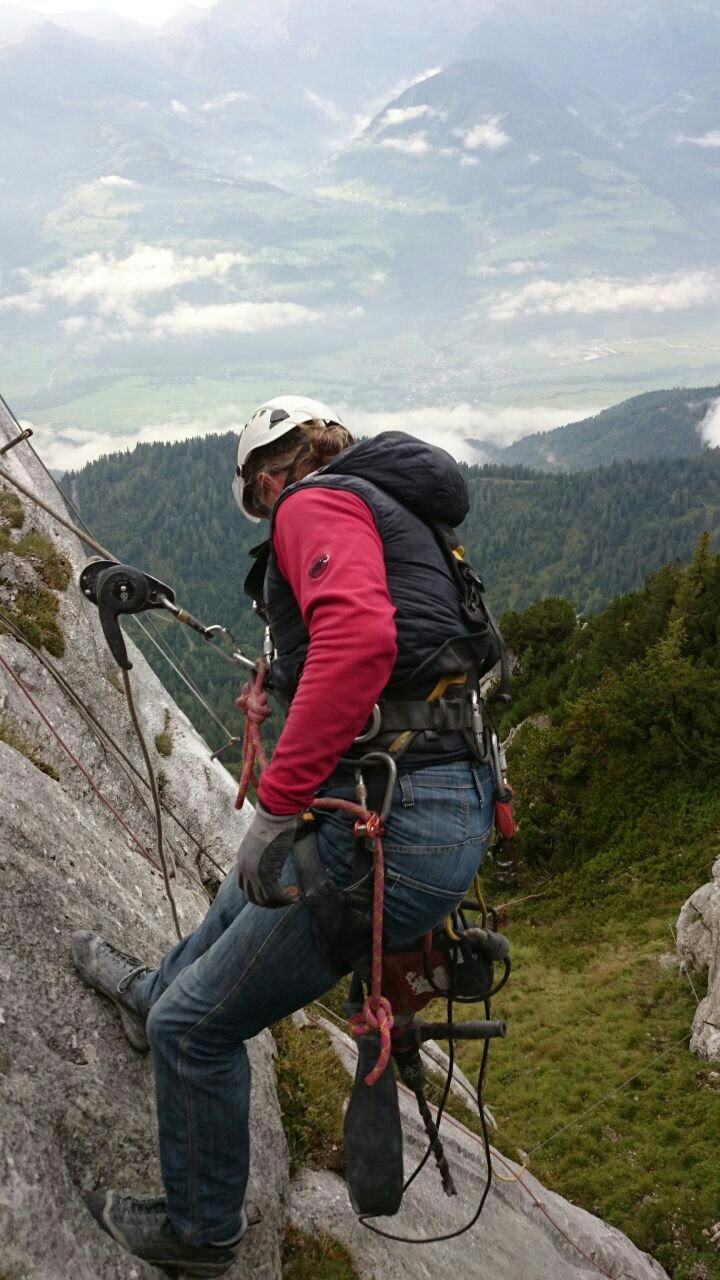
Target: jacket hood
x,y
425,478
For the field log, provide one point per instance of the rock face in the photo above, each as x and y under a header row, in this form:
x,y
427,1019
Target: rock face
x,y
76,1102
698,941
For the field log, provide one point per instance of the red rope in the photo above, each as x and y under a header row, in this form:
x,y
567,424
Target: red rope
x,y
254,705
376,1014
148,857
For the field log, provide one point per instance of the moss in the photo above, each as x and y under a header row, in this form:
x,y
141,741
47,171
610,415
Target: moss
x,y
11,735
35,614
163,740
50,564
11,512
162,782
312,1085
306,1257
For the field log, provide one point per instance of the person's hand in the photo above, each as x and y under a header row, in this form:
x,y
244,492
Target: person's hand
x,y
263,852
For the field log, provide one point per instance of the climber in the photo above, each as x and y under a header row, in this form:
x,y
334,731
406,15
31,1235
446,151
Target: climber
x,y
363,610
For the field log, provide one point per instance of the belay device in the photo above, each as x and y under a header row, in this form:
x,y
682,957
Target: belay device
x,y
455,963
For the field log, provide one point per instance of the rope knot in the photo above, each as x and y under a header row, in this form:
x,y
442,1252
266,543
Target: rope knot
x,y
375,1015
253,702
254,705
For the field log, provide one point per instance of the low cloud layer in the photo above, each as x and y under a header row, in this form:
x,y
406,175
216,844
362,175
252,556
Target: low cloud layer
x,y
115,285
593,295
710,426
415,144
227,100
463,428
65,448
115,180
187,321
709,139
487,135
402,115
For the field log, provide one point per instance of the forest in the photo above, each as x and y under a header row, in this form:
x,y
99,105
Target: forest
x,y
587,536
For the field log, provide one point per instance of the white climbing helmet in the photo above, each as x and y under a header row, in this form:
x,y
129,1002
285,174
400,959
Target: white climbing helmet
x,y
269,423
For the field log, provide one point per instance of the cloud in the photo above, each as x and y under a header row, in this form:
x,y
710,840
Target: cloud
x,y
415,144
457,429
515,267
402,115
404,85
709,428
178,107
227,100
709,139
65,448
114,180
114,284
593,295
188,321
468,162
463,428
324,106
486,136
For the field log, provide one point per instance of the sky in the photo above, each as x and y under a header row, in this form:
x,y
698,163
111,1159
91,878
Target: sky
x,y
146,11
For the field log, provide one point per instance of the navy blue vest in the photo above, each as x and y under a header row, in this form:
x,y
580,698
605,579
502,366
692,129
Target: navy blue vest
x,y
435,634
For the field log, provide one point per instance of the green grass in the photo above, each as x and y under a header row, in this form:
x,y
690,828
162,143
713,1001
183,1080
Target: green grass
x,y
11,735
588,1007
35,614
11,512
163,740
306,1257
312,1085
50,564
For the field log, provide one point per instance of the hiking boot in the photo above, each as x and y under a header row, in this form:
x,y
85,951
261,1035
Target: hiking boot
x,y
112,972
143,1228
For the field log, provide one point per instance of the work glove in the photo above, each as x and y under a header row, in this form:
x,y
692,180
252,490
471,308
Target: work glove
x,y
263,852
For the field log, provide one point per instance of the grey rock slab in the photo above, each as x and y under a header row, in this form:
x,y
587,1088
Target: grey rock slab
x,y
524,1231
698,943
77,1106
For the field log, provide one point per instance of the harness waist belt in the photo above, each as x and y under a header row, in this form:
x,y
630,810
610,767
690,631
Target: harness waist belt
x,y
440,716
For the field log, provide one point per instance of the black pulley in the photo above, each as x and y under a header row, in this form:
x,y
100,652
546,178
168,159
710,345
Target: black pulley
x,y
117,589
373,1137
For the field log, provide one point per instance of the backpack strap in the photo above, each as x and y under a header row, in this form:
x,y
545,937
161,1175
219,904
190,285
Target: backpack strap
x,y
472,590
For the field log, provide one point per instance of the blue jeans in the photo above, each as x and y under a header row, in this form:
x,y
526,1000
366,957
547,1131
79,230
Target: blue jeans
x,y
246,967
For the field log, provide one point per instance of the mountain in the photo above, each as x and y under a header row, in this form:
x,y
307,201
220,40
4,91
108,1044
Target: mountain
x,y
654,425
476,131
417,206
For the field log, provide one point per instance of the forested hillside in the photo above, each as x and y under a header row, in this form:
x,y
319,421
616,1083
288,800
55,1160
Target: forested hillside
x,y
587,536
619,813
653,425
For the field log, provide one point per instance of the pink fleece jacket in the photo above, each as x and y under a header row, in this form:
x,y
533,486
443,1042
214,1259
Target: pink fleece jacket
x,y
329,550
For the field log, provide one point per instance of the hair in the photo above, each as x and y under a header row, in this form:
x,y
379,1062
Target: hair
x,y
326,441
